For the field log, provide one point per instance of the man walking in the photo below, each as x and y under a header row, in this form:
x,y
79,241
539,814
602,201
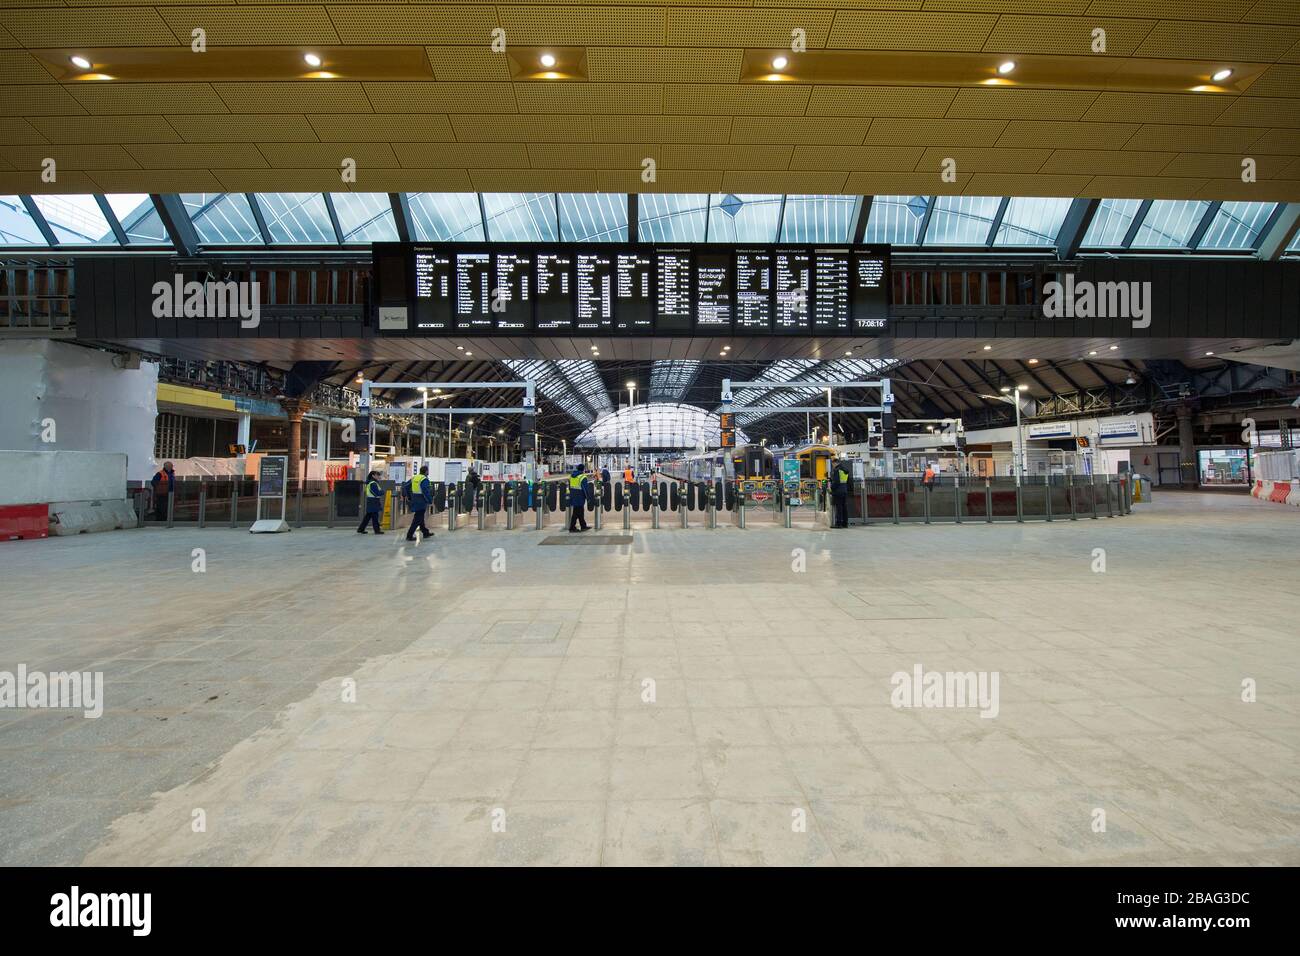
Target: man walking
x,y
374,496
578,491
421,496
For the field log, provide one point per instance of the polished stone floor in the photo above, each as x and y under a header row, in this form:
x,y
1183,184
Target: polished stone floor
x,y
695,697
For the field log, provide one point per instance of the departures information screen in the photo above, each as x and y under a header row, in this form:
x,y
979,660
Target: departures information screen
x,y
569,289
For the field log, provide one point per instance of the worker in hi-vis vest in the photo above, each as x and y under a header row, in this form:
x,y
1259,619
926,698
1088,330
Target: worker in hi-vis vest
x,y
578,499
374,497
840,479
421,498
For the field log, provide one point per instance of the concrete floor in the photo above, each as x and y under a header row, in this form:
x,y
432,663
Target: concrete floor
x,y
500,715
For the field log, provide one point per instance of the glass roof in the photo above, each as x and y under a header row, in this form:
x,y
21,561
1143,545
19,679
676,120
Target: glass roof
x,y
76,220
1031,221
521,217
1237,225
297,218
961,220
1111,223
553,385
1169,223
668,217
819,218
17,227
670,378
593,217
445,217
744,218
935,222
896,220
656,425
365,217
222,218
793,370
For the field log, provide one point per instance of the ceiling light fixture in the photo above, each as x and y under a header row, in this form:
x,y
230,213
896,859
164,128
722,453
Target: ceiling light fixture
x,y
988,348
1114,347
312,59
1221,76
1209,353
80,62
548,60
1033,361
780,63
1007,67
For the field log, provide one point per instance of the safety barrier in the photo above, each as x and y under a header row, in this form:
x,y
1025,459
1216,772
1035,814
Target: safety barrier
x,y
1277,492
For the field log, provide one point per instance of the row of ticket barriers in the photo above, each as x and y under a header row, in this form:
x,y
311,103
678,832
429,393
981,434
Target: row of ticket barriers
x,y
905,500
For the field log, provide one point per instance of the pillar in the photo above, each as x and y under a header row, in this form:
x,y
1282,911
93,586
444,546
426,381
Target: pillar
x,y
245,429
295,408
1188,465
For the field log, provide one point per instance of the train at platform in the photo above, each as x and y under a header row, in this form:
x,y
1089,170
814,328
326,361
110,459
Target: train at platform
x,y
749,463
742,463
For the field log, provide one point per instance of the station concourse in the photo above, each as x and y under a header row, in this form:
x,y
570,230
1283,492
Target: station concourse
x,y
1013,289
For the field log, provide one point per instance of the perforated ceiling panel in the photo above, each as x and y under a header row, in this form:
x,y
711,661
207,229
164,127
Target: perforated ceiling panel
x,y
876,97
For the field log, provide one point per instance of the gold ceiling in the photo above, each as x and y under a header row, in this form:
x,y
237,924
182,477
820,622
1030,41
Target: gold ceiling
x,y
886,92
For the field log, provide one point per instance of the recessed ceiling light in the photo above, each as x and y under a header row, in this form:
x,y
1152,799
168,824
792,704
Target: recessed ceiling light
x,y
1209,353
80,62
988,348
780,63
460,348
1007,67
1033,361
1114,347
1221,75
548,61
1094,352
312,59
468,354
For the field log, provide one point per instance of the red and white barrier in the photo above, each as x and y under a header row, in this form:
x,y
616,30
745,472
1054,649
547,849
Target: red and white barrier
x,y
1278,492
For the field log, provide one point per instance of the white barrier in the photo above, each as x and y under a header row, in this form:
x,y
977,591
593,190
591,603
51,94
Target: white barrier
x,y
86,490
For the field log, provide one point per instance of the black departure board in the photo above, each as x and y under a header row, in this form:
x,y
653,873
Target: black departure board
x,y
673,290
473,291
554,291
869,291
562,289
792,281
512,291
713,292
633,301
830,298
753,290
595,295
432,305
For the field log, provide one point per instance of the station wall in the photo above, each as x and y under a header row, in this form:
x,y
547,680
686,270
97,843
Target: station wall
x,y
60,397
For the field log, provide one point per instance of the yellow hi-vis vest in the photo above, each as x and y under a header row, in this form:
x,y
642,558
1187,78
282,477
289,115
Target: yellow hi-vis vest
x,y
843,475
575,482
372,489
417,484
